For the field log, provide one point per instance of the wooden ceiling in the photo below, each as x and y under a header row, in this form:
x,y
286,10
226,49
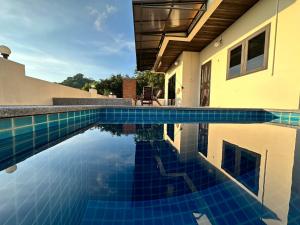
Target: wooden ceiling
x,y
155,19
224,16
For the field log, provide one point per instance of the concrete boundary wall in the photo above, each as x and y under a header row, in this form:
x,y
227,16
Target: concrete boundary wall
x,y
18,89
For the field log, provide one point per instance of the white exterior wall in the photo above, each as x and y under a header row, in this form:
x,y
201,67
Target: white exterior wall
x,y
187,79
277,87
18,89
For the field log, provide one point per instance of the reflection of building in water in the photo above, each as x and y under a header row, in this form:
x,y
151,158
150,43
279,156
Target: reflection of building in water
x,y
294,206
203,138
161,173
242,164
171,168
184,139
259,158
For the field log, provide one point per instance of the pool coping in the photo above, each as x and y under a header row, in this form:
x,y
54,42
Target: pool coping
x,y
17,111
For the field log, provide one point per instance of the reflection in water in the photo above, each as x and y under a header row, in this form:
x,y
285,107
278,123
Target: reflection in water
x,y
294,205
133,172
171,131
242,164
203,138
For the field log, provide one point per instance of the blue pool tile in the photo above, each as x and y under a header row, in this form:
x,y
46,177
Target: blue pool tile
x,y
295,115
77,113
23,121
63,115
295,122
53,135
40,119
53,126
63,123
63,132
6,152
24,130
71,121
43,126
24,146
5,134
5,123
71,114
52,117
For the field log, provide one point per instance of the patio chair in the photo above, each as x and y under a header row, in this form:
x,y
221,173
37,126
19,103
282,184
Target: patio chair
x,y
147,96
158,94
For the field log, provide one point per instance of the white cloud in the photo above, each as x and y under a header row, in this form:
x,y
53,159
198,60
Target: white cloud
x,y
51,67
118,45
101,15
115,45
110,9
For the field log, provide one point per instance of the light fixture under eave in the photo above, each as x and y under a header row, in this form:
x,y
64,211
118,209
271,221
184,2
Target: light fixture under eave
x,y
218,43
176,63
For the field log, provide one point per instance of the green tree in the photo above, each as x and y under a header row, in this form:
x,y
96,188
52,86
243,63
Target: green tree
x,y
113,85
148,78
77,81
88,86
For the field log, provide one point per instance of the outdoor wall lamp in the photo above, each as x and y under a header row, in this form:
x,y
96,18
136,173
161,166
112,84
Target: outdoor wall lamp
x,y
218,43
5,51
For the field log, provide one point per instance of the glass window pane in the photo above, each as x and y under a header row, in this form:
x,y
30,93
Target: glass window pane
x,y
256,50
235,61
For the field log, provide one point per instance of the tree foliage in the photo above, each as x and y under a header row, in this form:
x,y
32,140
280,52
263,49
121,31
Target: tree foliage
x,y
77,81
148,78
113,84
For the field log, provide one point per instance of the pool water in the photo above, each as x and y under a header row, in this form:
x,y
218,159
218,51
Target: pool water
x,y
207,173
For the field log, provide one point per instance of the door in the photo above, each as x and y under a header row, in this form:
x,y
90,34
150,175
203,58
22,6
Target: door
x,y
205,84
203,138
171,90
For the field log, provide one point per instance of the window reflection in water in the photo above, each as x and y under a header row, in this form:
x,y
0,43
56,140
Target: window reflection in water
x,y
242,164
170,131
203,138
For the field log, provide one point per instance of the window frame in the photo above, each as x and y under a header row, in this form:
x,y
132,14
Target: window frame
x,y
238,152
245,44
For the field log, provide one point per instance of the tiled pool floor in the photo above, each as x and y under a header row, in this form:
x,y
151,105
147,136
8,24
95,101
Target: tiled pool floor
x,y
152,174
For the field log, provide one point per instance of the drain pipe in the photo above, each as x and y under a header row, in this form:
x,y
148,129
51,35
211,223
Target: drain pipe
x,y
275,39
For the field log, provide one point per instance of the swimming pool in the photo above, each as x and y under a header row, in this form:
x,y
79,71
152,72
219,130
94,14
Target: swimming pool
x,y
89,168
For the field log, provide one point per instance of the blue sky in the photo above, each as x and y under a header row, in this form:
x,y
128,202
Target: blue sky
x,y
59,38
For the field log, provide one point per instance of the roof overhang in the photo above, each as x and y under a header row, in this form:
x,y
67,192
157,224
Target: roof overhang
x,y
154,20
166,28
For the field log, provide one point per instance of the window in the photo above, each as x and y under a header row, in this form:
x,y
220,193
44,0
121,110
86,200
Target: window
x,y
250,55
235,61
242,164
256,50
